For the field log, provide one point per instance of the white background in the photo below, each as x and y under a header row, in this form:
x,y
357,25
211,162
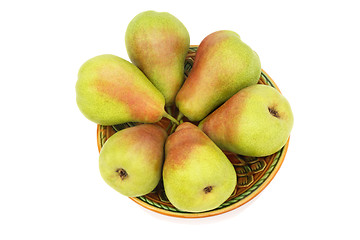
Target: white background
x,y
50,183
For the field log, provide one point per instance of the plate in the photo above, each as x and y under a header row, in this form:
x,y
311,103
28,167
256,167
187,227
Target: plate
x,y
253,173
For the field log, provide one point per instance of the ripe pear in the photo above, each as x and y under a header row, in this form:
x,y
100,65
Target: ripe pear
x,y
197,175
157,43
256,121
223,65
131,159
111,90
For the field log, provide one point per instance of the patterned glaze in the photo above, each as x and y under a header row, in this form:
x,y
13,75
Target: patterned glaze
x,y
254,174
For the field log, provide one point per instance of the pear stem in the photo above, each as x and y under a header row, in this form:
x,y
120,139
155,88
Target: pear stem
x,y
179,119
172,129
169,110
169,126
168,116
180,116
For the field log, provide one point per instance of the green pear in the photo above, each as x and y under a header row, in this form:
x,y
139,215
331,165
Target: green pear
x,y
131,159
111,90
157,42
256,121
223,65
197,175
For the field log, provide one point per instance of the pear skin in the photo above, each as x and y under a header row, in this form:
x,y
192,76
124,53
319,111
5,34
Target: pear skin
x,y
157,43
223,65
197,175
256,122
111,90
131,160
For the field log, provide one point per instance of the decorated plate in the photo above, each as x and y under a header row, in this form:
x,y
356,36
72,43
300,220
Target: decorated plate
x,y
253,173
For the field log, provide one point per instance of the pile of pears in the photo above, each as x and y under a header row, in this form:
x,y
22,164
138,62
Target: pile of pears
x,y
220,108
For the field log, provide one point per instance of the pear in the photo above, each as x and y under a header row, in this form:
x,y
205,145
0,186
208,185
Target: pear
x,y
131,159
197,175
111,90
157,43
223,65
256,121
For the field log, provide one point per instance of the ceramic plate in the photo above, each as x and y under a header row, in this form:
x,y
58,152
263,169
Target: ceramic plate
x,y
254,174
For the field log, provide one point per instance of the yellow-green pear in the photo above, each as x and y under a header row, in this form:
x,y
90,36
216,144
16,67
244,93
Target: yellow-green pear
x,y
111,90
256,121
131,159
223,65
197,175
157,42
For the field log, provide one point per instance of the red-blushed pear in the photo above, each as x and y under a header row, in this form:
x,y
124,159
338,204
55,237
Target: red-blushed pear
x,y
131,160
111,90
256,121
197,175
157,42
223,65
